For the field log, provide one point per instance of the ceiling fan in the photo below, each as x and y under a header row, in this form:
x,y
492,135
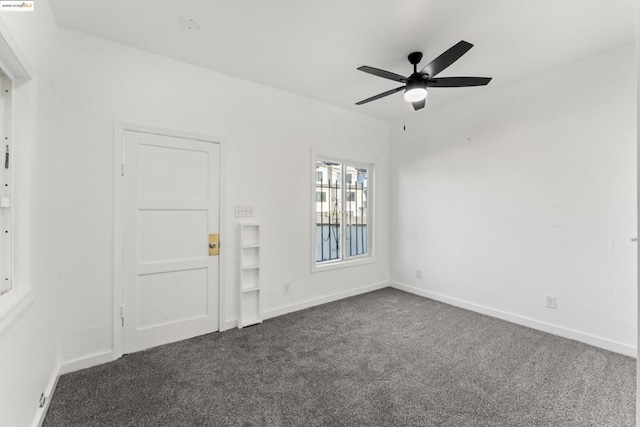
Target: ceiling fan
x,y
415,86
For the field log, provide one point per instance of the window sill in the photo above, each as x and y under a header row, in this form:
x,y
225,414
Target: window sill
x,y
12,304
315,268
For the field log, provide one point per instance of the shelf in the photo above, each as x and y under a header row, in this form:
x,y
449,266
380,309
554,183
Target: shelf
x,y
249,280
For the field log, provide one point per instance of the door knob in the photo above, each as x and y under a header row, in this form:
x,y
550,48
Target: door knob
x,y
212,245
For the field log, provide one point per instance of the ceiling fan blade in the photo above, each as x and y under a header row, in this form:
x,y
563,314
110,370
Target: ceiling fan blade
x,y
458,81
447,58
419,104
381,95
382,73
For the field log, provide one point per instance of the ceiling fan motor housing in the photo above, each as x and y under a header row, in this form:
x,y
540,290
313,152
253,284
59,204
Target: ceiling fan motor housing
x,y
416,81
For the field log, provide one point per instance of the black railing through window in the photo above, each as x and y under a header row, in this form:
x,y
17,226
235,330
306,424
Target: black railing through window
x,y
329,221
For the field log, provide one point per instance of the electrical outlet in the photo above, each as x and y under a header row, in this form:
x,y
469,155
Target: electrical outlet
x,y
285,288
243,211
419,274
552,302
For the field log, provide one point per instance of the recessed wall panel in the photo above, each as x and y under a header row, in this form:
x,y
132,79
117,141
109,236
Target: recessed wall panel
x,y
171,297
172,173
171,235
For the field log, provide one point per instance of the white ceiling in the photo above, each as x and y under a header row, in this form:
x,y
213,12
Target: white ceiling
x,y
313,47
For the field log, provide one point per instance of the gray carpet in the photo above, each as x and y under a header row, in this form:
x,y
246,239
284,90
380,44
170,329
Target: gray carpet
x,y
386,358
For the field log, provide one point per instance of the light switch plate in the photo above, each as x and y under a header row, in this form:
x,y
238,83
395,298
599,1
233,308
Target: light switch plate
x,y
243,211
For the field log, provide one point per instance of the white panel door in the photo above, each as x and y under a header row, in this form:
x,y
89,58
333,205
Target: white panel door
x,y
170,283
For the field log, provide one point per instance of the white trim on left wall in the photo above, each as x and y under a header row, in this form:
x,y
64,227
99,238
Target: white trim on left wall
x,y
64,368
41,413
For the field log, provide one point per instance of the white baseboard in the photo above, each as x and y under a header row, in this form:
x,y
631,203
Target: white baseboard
x,y
87,361
323,300
108,356
65,368
586,338
48,393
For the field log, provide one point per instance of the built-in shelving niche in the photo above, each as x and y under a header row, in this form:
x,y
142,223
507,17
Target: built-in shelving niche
x,y
249,275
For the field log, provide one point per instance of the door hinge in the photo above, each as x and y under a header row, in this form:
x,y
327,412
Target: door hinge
x,y
122,315
6,158
122,169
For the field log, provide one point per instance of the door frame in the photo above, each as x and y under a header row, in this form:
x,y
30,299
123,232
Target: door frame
x,y
120,127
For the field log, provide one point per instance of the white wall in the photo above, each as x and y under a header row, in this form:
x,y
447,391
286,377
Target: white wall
x,y
267,140
28,352
522,191
526,190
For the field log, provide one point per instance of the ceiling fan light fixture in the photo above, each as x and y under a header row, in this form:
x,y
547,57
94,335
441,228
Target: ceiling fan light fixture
x,y
415,93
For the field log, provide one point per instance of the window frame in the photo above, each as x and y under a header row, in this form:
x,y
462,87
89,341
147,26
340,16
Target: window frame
x,y
6,188
356,260
22,131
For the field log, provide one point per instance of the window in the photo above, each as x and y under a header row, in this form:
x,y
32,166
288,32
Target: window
x,y
342,219
319,176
